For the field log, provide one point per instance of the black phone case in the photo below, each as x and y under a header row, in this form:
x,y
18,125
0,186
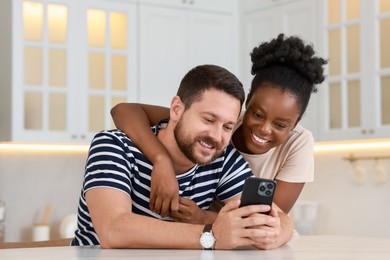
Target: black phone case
x,y
258,191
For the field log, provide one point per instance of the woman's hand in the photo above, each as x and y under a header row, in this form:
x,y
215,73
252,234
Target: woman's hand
x,y
164,190
189,212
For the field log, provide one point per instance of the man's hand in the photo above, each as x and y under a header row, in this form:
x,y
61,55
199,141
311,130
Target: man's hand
x,y
164,190
236,227
189,212
279,229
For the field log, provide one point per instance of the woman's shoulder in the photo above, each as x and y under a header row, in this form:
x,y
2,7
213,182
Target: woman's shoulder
x,y
300,136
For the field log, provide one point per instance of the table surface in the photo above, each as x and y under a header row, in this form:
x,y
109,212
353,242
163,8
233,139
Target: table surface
x,y
304,247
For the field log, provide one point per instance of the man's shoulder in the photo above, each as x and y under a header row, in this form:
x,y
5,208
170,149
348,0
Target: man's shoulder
x,y
112,137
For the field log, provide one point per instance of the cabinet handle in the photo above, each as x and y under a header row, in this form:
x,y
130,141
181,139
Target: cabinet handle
x,y
371,131
184,1
191,2
364,132
74,136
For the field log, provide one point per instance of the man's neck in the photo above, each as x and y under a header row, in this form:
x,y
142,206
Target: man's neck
x,y
180,162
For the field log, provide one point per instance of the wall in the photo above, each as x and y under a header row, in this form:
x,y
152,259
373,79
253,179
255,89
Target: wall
x,y
347,207
29,181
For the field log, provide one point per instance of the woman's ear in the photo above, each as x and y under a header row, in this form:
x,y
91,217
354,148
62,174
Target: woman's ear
x,y
177,108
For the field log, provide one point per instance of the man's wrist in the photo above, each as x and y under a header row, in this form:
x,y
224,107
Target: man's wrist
x,y
207,238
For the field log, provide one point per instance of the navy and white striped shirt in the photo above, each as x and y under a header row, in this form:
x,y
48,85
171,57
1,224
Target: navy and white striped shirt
x,y
115,162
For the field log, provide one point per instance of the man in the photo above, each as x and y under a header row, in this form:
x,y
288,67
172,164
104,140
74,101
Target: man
x,y
114,203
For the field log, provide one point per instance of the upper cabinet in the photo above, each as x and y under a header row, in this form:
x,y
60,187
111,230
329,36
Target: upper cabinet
x,y
263,20
64,65
176,36
356,101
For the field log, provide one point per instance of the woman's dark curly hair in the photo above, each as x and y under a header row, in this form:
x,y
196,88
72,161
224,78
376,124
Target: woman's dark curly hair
x,y
288,64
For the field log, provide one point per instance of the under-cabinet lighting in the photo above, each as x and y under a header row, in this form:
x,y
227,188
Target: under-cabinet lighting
x,y
318,147
352,145
44,147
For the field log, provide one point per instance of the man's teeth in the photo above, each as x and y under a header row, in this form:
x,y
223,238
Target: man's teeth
x,y
258,139
204,144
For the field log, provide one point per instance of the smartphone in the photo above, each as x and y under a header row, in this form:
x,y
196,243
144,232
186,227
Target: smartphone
x,y
258,191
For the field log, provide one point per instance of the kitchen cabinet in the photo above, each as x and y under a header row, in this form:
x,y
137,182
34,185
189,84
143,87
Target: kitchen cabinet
x,y
179,36
205,5
356,101
64,64
263,21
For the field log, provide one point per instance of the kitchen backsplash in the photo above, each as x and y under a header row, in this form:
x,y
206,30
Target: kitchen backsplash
x,y
29,181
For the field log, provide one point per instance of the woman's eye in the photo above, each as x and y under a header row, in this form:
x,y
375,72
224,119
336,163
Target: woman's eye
x,y
257,115
280,126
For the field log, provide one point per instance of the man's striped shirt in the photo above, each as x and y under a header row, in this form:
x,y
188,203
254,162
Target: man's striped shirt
x,y
115,162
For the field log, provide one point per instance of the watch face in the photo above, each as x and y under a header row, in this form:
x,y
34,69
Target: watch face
x,y
207,240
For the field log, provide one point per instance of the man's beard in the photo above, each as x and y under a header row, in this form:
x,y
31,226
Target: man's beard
x,y
187,146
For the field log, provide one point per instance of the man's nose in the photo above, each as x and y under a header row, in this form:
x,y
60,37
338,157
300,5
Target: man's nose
x,y
216,133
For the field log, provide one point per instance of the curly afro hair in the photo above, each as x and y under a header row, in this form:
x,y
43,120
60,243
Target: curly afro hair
x,y
288,64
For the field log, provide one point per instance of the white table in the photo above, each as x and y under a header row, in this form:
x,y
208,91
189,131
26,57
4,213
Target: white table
x,y
301,248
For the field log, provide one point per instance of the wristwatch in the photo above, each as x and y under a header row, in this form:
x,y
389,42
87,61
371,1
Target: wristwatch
x,y
207,239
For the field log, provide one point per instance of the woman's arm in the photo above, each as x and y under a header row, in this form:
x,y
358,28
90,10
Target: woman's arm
x,y
135,120
286,202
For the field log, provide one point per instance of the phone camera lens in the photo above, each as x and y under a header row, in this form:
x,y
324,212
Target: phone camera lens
x,y
262,188
268,193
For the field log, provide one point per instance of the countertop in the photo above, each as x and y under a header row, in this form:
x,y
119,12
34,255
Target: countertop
x,y
303,247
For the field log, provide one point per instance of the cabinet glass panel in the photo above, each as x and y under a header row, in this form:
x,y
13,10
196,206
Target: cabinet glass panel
x,y
353,49
334,11
33,111
96,73
384,6
96,20
96,113
353,103
118,29
334,53
57,18
115,101
335,106
57,68
353,9
33,66
118,72
385,100
385,43
57,111
33,21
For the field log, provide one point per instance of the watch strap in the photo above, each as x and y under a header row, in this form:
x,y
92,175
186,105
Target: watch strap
x,y
207,228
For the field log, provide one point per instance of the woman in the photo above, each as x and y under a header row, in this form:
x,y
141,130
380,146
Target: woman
x,y
267,135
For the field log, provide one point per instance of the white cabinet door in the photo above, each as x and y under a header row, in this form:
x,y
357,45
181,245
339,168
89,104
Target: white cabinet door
x,y
288,17
174,40
211,40
355,102
108,57
209,5
163,53
69,63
